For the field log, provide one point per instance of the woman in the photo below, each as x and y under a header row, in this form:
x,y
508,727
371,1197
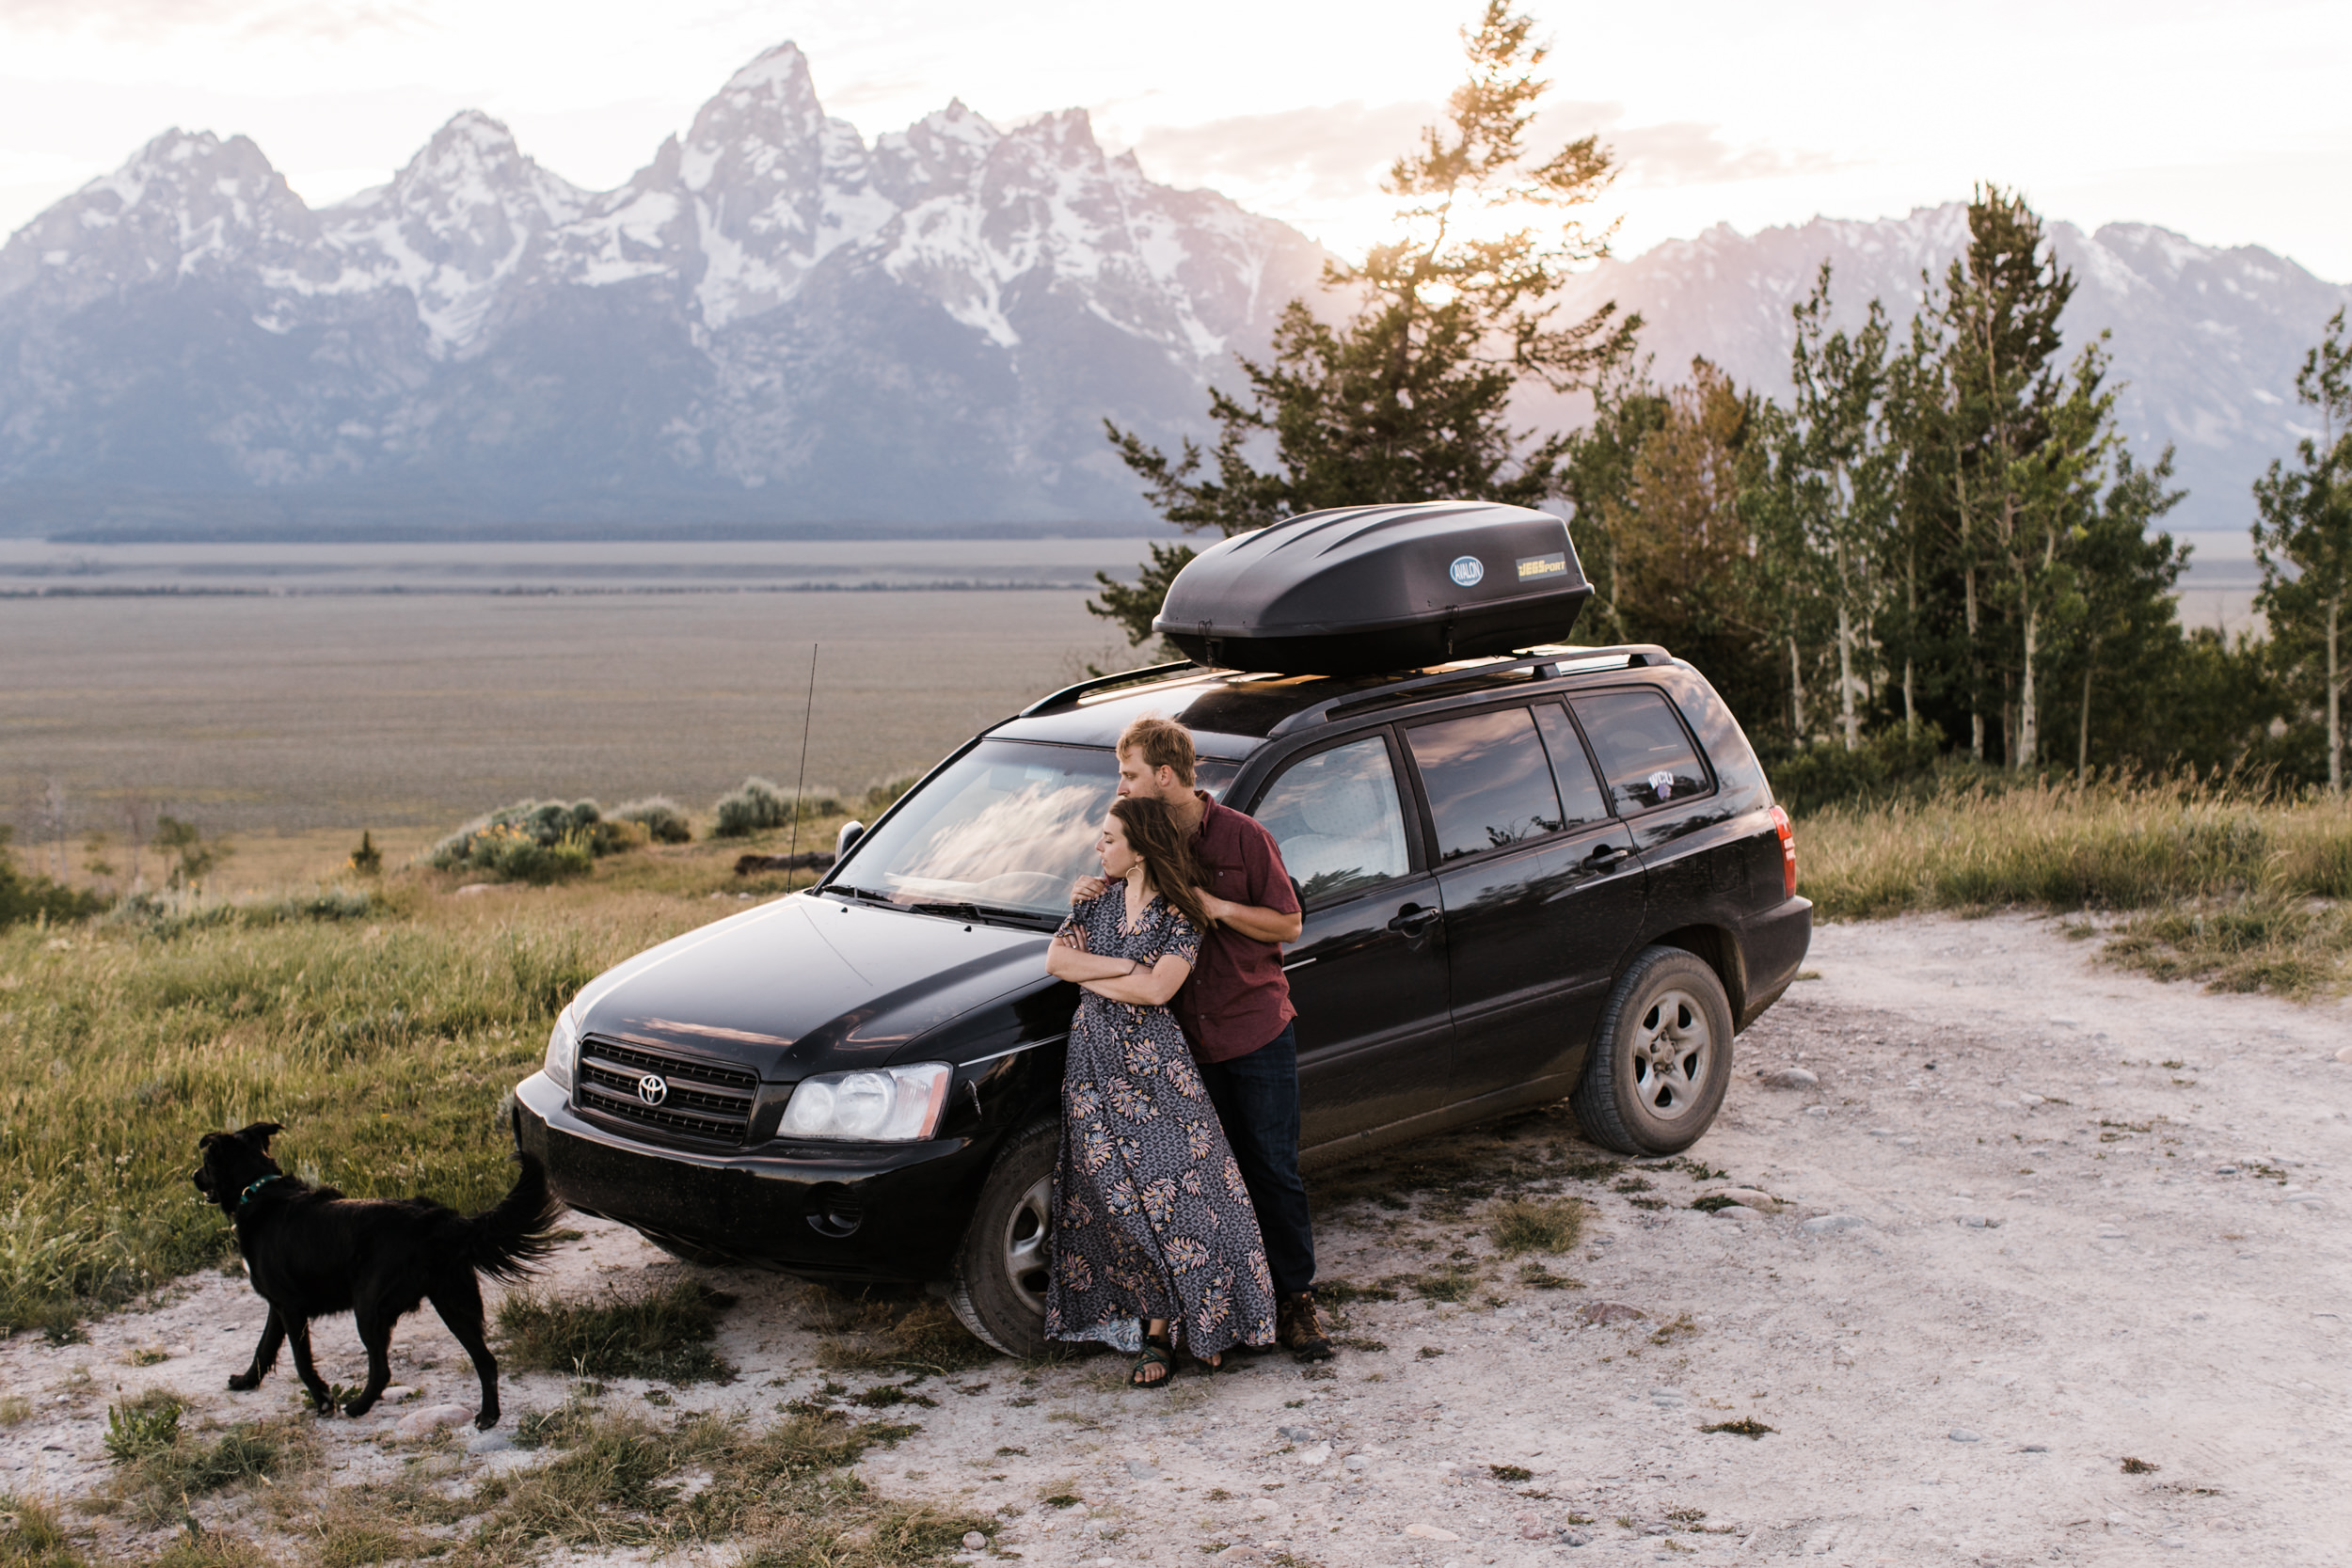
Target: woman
x,y
1155,1242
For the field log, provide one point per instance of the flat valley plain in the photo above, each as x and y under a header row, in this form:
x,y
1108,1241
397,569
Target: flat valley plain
x,y
411,711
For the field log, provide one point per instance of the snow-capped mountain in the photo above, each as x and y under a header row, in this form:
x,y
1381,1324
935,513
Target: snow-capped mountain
x,y
773,320
2206,341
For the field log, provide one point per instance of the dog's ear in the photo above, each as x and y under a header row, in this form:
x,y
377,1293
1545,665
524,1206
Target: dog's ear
x,y
259,1135
207,1140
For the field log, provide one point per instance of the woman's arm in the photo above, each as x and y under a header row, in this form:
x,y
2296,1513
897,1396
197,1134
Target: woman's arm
x,y
1145,988
1065,962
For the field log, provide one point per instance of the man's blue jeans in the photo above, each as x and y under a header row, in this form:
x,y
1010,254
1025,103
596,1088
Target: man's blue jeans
x,y
1256,1099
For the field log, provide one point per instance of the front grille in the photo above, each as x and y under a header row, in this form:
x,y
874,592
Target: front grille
x,y
707,1100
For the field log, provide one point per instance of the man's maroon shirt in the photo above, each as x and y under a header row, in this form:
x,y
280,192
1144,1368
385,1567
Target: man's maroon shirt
x,y
1236,999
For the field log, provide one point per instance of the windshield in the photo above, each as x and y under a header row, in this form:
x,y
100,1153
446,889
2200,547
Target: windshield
x,y
1009,826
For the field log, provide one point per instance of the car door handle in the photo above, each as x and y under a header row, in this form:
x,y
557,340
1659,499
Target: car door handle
x,y
1608,857
1413,919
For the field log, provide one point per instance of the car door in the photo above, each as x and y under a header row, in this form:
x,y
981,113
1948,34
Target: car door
x,y
1368,973
1665,793
1541,892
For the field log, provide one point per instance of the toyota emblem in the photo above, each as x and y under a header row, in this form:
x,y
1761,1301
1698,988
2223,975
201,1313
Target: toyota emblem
x,y
653,1088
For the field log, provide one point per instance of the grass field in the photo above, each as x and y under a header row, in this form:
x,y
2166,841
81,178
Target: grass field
x,y
261,716
384,1041
2211,884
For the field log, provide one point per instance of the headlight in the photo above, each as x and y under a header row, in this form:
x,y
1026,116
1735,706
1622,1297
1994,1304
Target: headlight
x,y
563,1050
887,1104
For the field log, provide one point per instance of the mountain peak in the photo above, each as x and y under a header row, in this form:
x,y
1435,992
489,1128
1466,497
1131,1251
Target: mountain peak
x,y
783,70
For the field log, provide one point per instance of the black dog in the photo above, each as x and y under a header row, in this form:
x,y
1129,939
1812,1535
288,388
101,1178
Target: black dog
x,y
312,1251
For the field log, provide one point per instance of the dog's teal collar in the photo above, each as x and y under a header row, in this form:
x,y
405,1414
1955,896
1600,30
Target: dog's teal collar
x,y
246,1197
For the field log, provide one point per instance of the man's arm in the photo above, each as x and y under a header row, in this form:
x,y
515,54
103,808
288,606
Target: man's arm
x,y
1276,919
1253,920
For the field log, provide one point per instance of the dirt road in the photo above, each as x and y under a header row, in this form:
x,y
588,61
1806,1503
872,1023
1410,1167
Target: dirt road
x,y
2041,1218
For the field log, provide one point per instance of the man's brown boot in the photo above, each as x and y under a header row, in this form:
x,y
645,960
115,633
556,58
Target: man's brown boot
x,y
1299,1328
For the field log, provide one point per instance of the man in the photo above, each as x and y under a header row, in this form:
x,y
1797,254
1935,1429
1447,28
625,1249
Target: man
x,y
1236,1012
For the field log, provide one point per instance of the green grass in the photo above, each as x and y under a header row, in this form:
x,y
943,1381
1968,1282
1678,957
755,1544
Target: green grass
x,y
385,1042
2216,882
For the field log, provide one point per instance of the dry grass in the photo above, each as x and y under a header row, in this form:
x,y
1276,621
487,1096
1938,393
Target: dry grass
x,y
663,1333
1523,1225
431,708
2219,883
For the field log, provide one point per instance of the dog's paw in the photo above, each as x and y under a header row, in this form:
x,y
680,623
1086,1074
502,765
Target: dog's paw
x,y
244,1383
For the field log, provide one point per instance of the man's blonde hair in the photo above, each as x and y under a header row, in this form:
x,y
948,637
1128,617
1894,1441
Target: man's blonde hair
x,y
1163,743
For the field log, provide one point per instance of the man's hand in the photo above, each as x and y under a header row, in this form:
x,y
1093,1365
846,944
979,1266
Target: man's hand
x,y
1250,920
1085,888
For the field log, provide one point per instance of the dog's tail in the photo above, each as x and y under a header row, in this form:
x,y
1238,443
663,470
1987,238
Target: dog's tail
x,y
508,1241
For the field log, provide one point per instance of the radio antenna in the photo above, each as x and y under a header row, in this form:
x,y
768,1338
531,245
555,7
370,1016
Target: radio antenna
x,y
800,785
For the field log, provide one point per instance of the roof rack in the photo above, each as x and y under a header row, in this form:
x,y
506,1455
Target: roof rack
x,y
1068,696
1544,664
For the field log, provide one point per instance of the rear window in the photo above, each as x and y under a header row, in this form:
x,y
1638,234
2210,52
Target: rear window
x,y
1647,759
1581,798
1489,782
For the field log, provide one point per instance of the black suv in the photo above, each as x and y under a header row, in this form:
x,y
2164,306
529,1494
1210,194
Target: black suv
x,y
1555,873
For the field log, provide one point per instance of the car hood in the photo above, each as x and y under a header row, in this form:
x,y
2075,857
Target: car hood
x,y
808,985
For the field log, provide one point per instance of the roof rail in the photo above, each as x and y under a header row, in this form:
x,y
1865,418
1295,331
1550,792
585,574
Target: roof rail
x,y
1546,664
1068,696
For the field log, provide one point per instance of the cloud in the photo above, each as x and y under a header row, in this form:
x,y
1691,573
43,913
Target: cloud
x,y
1340,150
1686,152
1327,153
247,19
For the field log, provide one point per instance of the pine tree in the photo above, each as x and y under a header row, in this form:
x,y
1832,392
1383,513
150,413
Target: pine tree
x,y
1407,400
2125,616
2020,445
2303,538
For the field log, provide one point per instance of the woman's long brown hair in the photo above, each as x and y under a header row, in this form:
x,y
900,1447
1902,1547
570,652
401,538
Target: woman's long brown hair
x,y
1169,868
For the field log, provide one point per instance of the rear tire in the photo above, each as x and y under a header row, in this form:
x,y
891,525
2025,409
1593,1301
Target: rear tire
x,y
1660,1058
997,1286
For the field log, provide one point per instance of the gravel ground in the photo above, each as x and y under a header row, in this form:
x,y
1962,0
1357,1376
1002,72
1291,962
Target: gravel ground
x,y
2036,1218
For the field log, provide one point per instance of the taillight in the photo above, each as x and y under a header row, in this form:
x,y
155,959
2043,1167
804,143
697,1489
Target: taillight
x,y
1788,851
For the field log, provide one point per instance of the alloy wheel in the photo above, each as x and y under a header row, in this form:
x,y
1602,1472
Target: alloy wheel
x,y
1673,1051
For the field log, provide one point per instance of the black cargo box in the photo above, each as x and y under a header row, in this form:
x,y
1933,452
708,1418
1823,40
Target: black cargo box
x,y
1361,590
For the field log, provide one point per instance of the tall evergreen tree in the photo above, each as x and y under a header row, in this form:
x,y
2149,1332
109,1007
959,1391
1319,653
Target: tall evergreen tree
x,y
1407,399
2126,618
2303,539
2020,445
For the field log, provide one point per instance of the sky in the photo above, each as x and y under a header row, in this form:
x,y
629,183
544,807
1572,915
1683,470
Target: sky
x,y
2228,124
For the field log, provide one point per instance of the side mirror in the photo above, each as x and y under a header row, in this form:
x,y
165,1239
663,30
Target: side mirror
x,y
850,832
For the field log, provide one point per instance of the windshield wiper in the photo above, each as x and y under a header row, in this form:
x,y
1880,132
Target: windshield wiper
x,y
867,894
989,913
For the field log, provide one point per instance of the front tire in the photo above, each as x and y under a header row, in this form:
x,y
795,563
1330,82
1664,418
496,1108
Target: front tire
x,y
997,1286
1660,1058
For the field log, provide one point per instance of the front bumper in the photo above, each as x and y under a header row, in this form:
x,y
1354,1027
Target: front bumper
x,y
874,1214
1771,950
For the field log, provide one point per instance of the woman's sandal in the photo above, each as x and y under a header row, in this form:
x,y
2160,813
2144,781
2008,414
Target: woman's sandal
x,y
1158,1352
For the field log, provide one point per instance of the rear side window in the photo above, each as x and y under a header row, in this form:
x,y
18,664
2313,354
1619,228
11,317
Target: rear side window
x,y
1488,782
1581,798
1336,819
1646,757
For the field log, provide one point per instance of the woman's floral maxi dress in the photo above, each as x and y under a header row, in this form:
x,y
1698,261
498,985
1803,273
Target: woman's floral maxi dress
x,y
1151,1218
